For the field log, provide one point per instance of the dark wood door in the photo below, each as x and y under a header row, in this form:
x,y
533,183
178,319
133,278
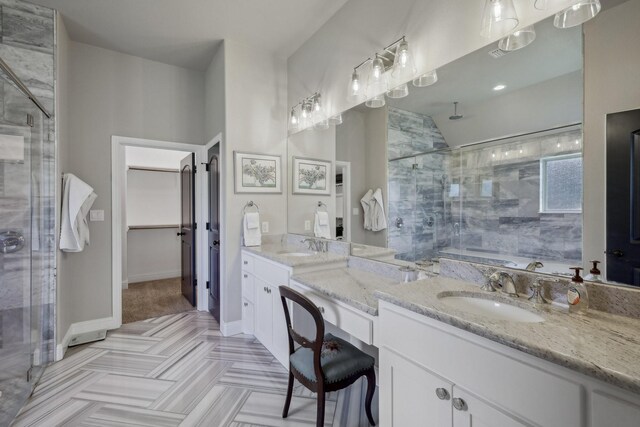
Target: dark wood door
x,y
623,197
187,227
214,237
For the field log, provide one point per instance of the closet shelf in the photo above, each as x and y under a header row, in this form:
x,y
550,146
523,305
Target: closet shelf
x,y
153,227
148,169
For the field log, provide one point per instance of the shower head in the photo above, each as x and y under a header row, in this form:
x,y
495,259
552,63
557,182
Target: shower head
x,y
455,116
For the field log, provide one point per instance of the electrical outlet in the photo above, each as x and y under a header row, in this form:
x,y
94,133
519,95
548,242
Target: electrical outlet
x,y
265,226
356,211
96,215
307,225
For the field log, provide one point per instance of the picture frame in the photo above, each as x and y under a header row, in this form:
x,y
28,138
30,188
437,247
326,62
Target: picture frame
x,y
311,176
257,173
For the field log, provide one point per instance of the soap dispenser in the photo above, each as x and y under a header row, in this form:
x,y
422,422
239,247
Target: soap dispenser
x,y
594,273
577,295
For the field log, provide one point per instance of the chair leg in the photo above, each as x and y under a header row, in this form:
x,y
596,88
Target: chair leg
x,y
287,402
371,389
320,417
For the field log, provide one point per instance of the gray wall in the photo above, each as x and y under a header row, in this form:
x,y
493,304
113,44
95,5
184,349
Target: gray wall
x,y
612,61
111,93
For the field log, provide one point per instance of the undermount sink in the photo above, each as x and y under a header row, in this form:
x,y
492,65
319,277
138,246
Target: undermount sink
x,y
296,254
491,308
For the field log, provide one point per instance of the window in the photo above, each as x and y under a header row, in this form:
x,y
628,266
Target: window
x,y
561,184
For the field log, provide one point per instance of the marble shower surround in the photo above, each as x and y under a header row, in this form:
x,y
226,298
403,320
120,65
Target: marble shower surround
x,y
619,300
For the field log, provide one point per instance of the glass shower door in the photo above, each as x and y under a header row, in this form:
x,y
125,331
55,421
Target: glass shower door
x,y
21,277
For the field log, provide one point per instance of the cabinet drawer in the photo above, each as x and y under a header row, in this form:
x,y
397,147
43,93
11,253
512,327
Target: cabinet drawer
x,y
349,321
248,287
483,367
270,273
247,262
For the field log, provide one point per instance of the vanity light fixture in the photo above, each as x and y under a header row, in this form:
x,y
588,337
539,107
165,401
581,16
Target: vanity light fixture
x,y
578,13
518,39
499,87
355,93
377,83
404,68
426,79
499,18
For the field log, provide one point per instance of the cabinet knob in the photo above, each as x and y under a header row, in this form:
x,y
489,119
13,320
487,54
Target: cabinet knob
x,y
459,404
246,262
268,290
442,393
321,309
246,276
246,304
264,289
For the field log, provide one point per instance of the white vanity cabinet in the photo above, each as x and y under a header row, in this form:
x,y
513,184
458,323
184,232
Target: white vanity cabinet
x,y
433,374
263,315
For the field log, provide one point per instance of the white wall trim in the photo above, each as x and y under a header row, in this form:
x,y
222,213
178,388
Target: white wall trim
x,y
228,329
157,275
83,328
346,196
118,143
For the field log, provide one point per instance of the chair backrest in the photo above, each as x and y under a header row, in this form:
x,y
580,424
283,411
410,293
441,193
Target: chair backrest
x,y
287,293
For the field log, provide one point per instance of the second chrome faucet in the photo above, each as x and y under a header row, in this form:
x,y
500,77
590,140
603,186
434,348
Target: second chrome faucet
x,y
503,281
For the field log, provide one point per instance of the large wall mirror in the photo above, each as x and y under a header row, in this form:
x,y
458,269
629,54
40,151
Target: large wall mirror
x,y
484,165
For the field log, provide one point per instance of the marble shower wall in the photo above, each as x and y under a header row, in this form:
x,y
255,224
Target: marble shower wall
x,y
416,186
499,203
27,45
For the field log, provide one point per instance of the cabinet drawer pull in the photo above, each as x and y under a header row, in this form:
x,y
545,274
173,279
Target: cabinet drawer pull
x,y
246,276
442,393
246,262
268,290
459,404
246,304
264,289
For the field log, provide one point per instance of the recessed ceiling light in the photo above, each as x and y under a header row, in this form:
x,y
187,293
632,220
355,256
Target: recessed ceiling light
x,y
499,87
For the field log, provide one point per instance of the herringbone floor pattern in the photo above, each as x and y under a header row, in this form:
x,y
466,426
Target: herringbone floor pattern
x,y
178,370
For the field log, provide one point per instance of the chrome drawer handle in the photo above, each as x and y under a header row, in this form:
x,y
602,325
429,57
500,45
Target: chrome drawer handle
x,y
459,404
442,393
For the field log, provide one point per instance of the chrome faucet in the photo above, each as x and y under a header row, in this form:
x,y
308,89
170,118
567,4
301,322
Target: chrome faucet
x,y
538,290
533,265
503,281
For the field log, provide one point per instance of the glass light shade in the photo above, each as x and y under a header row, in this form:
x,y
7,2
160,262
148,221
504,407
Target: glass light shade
x,y
305,116
499,18
579,13
376,102
518,39
398,91
427,79
540,4
377,83
404,68
335,120
355,93
294,121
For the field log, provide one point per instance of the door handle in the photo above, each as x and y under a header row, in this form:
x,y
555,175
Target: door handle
x,y
616,253
181,234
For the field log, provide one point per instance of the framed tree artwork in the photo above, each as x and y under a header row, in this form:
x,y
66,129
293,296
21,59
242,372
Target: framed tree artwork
x,y
257,173
311,176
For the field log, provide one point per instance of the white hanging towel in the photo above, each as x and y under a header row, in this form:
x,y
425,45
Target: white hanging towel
x,y
77,199
321,226
366,209
251,229
378,218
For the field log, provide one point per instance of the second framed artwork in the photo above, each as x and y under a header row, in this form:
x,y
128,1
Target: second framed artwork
x,y
311,176
257,173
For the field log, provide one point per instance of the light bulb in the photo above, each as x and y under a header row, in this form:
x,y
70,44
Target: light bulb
x,y
377,83
355,93
404,69
377,68
293,122
317,107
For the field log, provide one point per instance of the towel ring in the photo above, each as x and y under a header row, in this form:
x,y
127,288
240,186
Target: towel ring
x,y
249,205
321,204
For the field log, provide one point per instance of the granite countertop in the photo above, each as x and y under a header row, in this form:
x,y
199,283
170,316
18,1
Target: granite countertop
x,y
278,253
352,286
597,344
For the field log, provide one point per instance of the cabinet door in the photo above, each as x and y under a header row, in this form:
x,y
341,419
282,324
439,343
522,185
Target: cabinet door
x,y
608,411
408,394
469,411
263,313
280,336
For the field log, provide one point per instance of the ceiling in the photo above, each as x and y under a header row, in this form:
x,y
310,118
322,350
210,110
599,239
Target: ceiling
x,y
471,79
186,33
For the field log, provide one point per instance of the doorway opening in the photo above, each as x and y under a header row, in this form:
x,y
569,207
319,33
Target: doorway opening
x,y
158,261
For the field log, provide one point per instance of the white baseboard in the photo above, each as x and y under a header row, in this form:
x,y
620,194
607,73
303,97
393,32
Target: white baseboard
x,y
157,275
125,284
231,328
82,328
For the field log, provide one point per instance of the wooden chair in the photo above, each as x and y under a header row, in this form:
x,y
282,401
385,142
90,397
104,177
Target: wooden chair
x,y
326,364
